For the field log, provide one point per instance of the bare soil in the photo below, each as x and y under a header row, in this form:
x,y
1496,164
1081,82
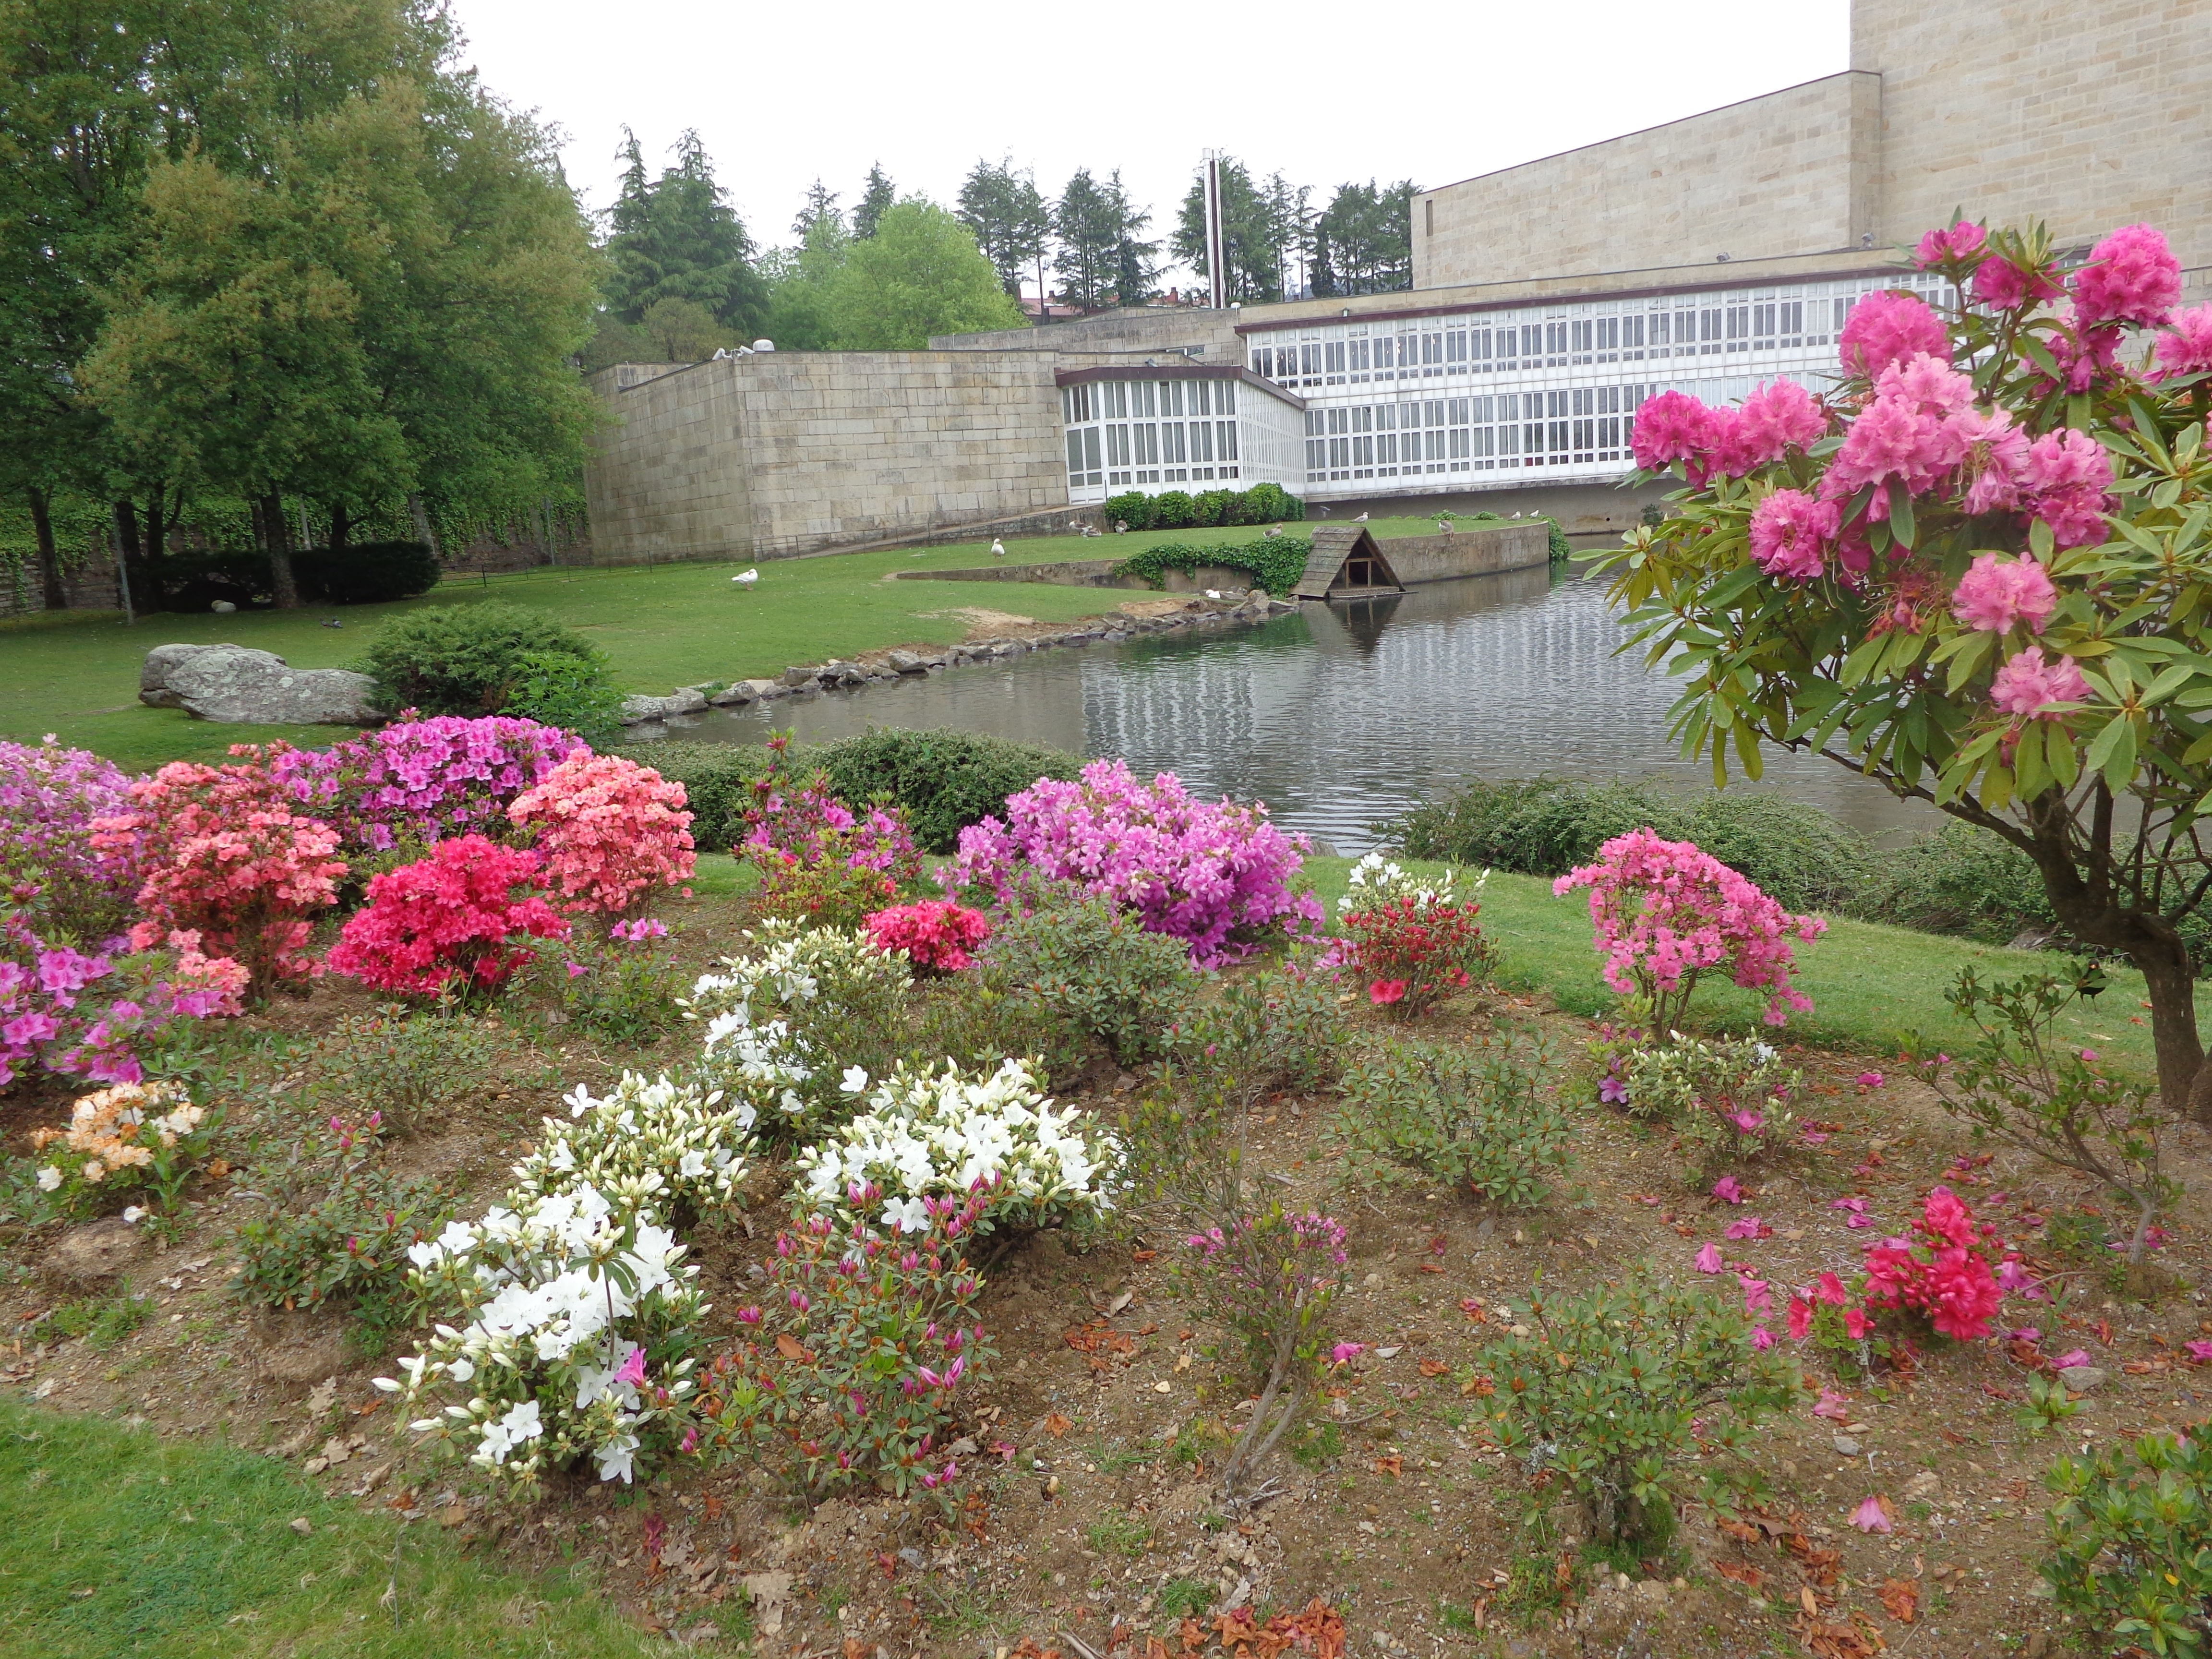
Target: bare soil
x,y
1099,1524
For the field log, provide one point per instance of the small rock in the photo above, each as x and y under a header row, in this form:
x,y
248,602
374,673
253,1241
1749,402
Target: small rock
x,y
1846,1447
731,696
90,1256
1925,1486
906,662
300,1525
795,677
2084,1379
223,607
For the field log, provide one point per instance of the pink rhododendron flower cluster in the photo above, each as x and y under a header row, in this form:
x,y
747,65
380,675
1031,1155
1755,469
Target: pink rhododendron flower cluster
x,y
1665,911
420,780
2026,684
1997,595
1942,1273
70,1013
936,935
459,916
1790,533
224,856
1956,244
2186,348
1889,328
1213,874
50,797
1777,417
607,830
2132,276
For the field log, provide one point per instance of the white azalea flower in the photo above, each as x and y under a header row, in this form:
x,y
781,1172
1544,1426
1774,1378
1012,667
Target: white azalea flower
x,y
49,1178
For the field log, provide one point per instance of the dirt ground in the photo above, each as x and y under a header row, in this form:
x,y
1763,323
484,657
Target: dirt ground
x,y
1098,1524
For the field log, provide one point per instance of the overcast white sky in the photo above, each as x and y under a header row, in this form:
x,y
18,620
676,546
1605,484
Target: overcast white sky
x,y
1433,90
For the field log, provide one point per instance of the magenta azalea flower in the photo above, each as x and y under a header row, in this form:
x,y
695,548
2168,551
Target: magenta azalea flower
x,y
1708,1258
1730,1190
1873,1516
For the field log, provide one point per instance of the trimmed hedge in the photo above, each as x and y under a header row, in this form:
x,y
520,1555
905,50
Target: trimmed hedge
x,y
946,780
466,658
1176,509
1275,562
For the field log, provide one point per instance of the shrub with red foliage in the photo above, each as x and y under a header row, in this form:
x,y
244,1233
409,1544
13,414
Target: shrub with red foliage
x,y
453,915
608,829
224,856
1412,953
936,935
1940,1273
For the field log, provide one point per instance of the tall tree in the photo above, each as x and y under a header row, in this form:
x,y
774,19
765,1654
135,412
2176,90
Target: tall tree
x,y
1290,229
875,199
1098,253
677,237
821,213
921,274
1135,266
1252,238
1010,220
1367,232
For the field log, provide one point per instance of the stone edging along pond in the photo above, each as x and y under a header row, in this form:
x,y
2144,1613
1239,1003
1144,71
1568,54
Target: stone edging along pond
x,y
1162,616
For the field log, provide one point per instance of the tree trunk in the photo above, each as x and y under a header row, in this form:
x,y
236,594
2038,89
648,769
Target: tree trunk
x,y
341,530
277,543
159,521
55,590
130,553
424,533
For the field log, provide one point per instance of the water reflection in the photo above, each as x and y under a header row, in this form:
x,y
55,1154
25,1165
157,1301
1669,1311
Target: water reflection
x,y
1338,715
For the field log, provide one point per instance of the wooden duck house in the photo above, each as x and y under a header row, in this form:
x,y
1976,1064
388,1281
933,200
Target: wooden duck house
x,y
1345,563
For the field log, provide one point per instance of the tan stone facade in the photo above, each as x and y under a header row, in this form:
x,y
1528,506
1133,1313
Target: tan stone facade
x,y
2087,117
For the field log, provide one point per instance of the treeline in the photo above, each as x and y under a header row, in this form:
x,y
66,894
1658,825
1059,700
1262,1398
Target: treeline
x,y
271,255
688,279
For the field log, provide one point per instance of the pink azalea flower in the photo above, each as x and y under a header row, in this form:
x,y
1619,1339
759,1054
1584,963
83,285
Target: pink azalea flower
x,y
2013,1280
632,1369
1812,1137
1749,1226
1730,1190
1856,1323
1709,1260
1871,1079
1873,1516
2032,1334
2199,1354
2071,1357
1761,1338
577,970
690,1439
1612,1090
1997,595
1757,1297
1829,1289
1833,1406
1747,1120
1801,1319
1383,992
2132,276
1345,1352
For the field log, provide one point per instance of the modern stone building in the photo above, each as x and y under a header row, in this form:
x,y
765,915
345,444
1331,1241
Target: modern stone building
x,y
1711,254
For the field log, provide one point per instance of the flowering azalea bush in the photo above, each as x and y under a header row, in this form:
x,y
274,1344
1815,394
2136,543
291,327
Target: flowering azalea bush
x,y
1270,1279
807,825
1411,945
608,830
99,1015
127,1136
1666,911
856,1362
1215,875
624,988
924,1135
566,1329
1485,1115
936,935
666,1146
222,855
1941,1272
455,918
1978,570
50,870
417,780
1728,1098
833,892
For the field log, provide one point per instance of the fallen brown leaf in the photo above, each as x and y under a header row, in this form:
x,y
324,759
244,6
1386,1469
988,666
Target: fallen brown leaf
x,y
1056,1425
1902,1597
1393,1467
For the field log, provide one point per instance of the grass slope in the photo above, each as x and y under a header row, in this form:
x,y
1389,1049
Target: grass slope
x,y
77,674
128,1544
1868,982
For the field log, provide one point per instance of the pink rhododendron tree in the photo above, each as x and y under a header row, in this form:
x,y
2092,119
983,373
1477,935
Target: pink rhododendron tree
x,y
458,918
419,780
1984,580
222,855
607,830
936,935
1667,911
1215,874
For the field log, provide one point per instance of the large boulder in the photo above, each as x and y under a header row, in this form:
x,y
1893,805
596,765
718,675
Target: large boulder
x,y
636,711
237,684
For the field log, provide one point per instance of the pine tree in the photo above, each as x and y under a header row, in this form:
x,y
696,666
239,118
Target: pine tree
x,y
679,238
1087,236
1251,238
1011,221
820,216
877,197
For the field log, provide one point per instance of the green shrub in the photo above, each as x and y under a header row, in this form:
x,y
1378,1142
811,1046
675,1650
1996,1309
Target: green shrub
x,y
1173,509
1727,1098
368,573
718,781
1213,506
946,781
2132,1543
1090,968
1277,1031
1270,503
1617,1392
1485,1115
465,658
1134,508
569,692
1962,880
413,1068
1275,562
1546,826
626,993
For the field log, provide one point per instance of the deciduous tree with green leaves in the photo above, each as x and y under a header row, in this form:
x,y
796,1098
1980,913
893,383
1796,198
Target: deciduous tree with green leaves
x,y
921,274
1978,571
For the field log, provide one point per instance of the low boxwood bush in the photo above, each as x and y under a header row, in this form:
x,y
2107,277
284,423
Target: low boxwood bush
x,y
946,781
1174,509
466,658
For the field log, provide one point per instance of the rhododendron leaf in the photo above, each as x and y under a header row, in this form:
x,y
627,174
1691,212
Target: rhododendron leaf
x,y
1900,513
2119,765
2064,757
2040,355
1861,660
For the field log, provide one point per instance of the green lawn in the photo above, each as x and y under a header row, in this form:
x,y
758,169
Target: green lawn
x,y
664,626
1867,982
127,1544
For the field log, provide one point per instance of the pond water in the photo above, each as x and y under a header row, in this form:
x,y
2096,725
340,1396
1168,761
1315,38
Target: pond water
x,y
1338,715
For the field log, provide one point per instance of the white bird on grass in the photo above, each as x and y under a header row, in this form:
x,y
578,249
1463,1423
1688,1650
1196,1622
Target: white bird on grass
x,y
997,548
747,579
